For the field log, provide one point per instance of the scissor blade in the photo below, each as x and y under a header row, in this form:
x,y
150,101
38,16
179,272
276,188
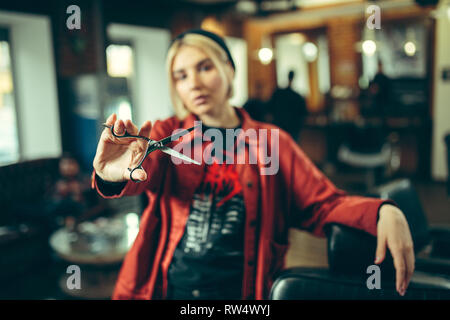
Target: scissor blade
x,y
175,136
178,155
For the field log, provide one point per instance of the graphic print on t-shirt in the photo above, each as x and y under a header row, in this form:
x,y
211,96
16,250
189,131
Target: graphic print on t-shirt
x,y
216,219
210,253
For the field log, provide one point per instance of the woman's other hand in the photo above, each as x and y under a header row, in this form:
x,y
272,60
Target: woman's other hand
x,y
393,232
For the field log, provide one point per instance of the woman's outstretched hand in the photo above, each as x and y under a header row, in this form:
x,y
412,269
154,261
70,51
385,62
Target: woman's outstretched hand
x,y
393,232
115,155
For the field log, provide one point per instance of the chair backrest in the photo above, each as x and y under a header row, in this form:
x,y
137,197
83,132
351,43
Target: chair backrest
x,y
351,251
367,138
25,182
405,196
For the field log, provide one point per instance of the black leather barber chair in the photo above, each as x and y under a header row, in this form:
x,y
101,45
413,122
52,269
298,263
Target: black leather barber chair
x,y
24,237
351,252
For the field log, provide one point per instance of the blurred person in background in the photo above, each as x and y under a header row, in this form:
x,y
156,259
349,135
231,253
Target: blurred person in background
x,y
380,92
288,108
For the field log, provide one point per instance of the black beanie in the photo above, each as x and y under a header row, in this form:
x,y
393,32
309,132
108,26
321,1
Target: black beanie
x,y
216,38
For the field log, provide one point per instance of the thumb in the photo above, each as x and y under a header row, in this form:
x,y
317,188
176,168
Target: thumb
x,y
138,174
381,249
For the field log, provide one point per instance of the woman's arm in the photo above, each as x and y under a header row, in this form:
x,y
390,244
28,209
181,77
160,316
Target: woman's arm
x,y
316,202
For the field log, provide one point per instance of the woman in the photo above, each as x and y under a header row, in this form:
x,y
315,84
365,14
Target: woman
x,y
220,230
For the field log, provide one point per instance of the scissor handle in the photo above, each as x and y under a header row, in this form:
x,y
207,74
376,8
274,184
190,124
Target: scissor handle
x,y
151,145
125,135
131,174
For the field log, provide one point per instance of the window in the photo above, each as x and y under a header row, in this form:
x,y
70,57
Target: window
x,y
9,140
120,67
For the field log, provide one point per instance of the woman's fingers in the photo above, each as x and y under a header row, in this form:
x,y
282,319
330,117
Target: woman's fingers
x,y
403,263
400,271
106,134
111,119
410,265
399,263
381,247
119,127
146,129
131,128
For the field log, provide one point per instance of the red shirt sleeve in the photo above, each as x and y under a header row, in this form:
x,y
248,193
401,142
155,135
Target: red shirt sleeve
x,y
316,201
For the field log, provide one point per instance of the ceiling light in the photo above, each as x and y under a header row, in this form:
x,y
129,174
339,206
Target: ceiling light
x,y
309,51
369,47
247,7
265,55
410,48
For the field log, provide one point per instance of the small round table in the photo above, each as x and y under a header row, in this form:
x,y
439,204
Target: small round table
x,y
98,248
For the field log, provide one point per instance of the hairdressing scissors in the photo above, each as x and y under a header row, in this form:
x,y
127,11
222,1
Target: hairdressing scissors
x,y
153,145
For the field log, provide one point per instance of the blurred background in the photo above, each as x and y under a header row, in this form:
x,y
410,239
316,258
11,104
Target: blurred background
x,y
363,87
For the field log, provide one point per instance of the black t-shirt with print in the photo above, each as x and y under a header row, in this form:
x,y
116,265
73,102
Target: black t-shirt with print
x,y
210,253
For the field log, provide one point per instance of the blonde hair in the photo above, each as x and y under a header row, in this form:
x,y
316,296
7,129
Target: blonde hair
x,y
217,55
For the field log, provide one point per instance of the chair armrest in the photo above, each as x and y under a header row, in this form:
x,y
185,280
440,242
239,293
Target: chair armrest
x,y
351,251
320,284
440,238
